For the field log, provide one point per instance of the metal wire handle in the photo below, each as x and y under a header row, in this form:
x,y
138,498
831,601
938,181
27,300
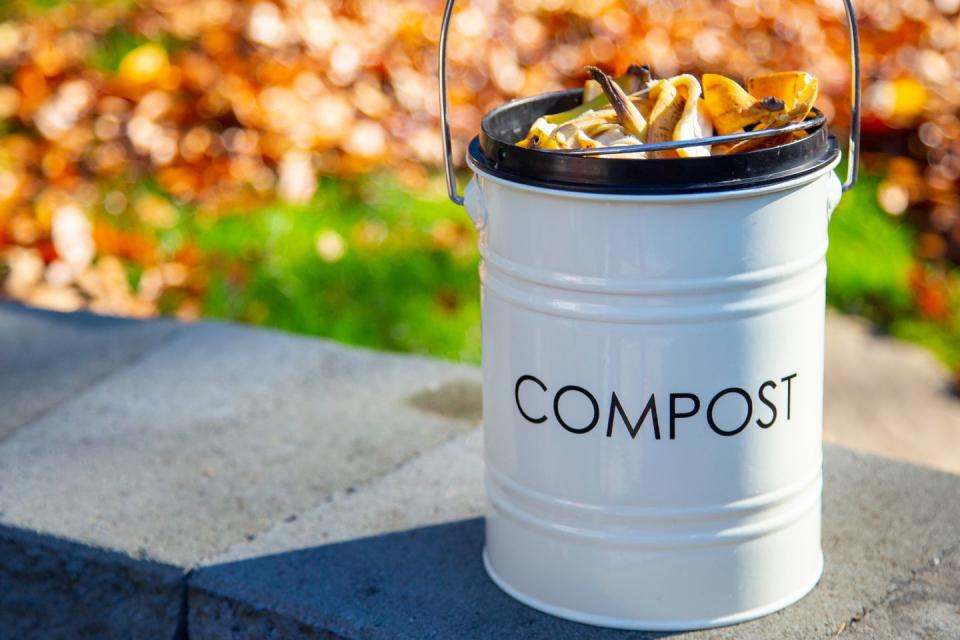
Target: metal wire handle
x,y
810,123
853,148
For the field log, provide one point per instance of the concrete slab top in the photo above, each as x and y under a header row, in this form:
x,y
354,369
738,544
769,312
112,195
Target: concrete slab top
x,y
888,397
214,436
429,581
46,358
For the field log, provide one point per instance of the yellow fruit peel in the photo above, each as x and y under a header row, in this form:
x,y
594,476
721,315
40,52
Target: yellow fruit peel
x,y
694,122
796,89
730,106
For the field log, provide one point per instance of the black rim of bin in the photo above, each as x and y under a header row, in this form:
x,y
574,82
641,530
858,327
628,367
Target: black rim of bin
x,y
495,152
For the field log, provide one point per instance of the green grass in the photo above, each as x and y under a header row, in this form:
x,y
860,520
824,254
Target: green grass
x,y
869,258
394,287
869,262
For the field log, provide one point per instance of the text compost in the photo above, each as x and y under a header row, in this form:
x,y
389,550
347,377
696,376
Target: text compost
x,y
762,407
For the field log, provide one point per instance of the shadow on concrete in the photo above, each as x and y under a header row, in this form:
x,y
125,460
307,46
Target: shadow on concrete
x,y
422,583
57,589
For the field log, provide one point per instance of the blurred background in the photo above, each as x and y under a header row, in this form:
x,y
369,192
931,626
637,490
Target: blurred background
x,y
276,163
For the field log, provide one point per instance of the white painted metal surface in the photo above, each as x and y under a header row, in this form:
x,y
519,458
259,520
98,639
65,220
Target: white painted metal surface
x,y
653,372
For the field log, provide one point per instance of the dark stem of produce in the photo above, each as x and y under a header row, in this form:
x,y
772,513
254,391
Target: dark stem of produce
x,y
640,78
627,113
772,104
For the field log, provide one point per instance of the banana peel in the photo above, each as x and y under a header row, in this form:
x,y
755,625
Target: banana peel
x,y
678,113
759,143
733,109
694,121
540,136
637,79
665,114
632,120
591,91
795,92
591,130
796,89
730,106
699,125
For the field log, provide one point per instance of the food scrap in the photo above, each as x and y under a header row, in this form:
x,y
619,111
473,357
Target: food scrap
x,y
635,109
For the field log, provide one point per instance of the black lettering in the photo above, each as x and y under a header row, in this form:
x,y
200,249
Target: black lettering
x,y
516,394
674,414
773,408
593,401
788,379
634,430
712,422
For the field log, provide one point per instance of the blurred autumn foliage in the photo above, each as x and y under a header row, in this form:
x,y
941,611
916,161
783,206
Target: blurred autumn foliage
x,y
129,131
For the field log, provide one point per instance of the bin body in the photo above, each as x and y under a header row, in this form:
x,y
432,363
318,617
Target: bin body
x,y
653,376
